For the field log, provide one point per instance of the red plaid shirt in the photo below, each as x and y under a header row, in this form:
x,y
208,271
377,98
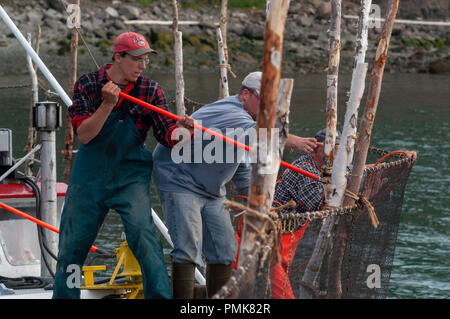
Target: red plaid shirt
x,y
88,97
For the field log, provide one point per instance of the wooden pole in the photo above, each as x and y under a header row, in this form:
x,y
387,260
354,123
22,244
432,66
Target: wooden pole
x,y
332,95
223,50
264,186
223,26
223,84
264,172
178,53
362,146
68,139
31,140
344,156
315,263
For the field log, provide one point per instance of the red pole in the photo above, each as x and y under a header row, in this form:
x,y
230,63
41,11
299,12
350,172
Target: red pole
x,y
204,129
35,220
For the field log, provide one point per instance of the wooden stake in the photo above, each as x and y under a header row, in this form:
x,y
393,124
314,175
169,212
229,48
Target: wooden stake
x,y
68,139
223,26
332,95
178,53
32,69
223,51
264,172
344,156
362,146
223,84
315,263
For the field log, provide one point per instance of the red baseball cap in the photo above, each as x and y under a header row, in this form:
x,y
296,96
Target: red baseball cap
x,y
132,43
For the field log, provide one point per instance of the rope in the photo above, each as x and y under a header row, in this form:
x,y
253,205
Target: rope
x,y
18,86
390,154
228,67
363,201
260,232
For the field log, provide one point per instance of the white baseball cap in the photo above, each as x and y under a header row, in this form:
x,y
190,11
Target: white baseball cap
x,y
253,81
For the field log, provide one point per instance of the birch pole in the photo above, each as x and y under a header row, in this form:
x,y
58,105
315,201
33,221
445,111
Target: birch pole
x,y
344,156
362,146
264,171
223,84
178,53
223,51
223,26
68,139
332,95
312,270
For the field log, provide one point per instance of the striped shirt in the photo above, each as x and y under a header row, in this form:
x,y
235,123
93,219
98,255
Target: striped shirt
x,y
88,97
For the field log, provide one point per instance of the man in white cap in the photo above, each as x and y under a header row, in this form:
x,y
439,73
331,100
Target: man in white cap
x,y
113,167
192,192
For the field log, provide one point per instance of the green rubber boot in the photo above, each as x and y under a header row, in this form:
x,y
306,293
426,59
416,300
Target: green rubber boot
x,y
217,275
183,280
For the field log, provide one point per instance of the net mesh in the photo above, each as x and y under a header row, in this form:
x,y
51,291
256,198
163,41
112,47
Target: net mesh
x,y
369,252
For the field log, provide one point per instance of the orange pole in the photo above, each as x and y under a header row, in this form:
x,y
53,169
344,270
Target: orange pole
x,y
36,221
204,129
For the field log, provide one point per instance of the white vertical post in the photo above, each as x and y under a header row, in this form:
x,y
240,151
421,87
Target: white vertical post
x,y
49,209
47,120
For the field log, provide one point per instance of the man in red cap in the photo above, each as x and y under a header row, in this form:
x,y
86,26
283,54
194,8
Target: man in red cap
x,y
113,167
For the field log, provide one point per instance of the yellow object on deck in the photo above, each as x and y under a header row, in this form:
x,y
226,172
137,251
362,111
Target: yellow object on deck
x,y
132,287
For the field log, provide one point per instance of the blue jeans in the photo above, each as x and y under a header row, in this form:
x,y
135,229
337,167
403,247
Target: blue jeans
x,y
198,225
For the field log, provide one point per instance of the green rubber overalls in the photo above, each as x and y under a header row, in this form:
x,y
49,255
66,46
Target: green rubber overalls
x,y
112,171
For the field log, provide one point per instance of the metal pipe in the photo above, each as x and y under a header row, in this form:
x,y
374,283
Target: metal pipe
x,y
49,209
23,159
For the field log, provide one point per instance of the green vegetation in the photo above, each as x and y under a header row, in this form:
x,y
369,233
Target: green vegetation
x,y
428,44
243,4
163,41
146,2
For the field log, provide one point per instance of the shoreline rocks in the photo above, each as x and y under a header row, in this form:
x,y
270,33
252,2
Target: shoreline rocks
x,y
413,48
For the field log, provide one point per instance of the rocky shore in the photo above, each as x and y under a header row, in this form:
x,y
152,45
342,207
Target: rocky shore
x,y
414,48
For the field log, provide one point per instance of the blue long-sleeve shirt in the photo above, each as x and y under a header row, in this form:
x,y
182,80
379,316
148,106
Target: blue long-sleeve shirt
x,y
211,163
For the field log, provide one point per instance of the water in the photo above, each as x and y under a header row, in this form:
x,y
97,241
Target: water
x,y
412,115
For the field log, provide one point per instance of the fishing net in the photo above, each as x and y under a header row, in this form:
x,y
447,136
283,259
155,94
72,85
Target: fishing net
x,y
369,252
190,105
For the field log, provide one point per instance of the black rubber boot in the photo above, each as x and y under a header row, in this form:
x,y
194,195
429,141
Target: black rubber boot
x,y
183,280
216,276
